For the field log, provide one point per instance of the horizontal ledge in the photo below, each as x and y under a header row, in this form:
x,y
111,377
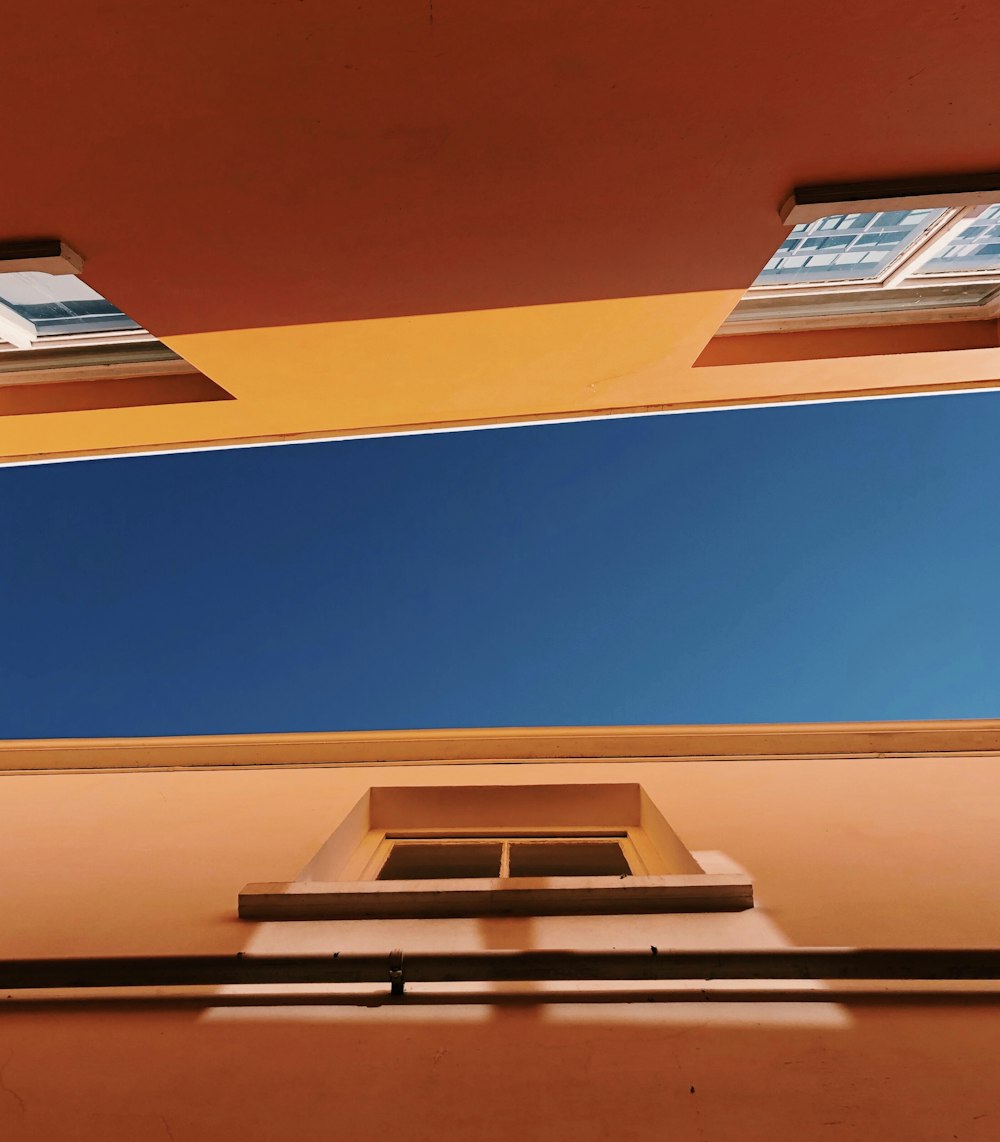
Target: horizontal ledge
x,y
514,744
750,347
88,395
758,399
135,356
39,255
473,967
808,203
900,993
523,896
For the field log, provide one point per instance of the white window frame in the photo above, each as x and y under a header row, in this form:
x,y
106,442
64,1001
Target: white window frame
x,y
17,331
48,256
901,272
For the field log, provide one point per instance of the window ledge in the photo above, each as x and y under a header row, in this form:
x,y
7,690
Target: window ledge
x,y
527,896
767,347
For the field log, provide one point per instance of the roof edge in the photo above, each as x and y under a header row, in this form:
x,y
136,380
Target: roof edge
x,y
505,744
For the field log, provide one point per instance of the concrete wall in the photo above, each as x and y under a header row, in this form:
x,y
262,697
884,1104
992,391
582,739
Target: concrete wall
x,y
844,852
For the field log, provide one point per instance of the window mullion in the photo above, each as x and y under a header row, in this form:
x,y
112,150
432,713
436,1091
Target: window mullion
x,y
925,249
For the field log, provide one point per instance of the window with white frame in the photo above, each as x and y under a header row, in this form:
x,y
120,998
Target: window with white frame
x,y
38,307
54,327
879,268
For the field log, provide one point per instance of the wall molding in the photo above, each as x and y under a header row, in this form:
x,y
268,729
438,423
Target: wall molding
x,y
791,741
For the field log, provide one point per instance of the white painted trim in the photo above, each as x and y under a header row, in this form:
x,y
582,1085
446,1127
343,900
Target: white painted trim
x,y
18,330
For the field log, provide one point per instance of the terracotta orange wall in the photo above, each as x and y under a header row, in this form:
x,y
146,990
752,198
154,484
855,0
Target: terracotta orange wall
x,y
359,218
858,852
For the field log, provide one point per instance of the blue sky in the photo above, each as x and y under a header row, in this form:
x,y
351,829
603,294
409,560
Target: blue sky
x,y
827,562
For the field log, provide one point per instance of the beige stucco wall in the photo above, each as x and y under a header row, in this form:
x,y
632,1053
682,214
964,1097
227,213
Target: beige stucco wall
x,y
873,852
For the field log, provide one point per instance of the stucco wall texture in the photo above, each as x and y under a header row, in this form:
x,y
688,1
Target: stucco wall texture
x,y
857,852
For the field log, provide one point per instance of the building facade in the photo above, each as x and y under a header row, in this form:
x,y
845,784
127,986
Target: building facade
x,y
226,225
875,836
332,219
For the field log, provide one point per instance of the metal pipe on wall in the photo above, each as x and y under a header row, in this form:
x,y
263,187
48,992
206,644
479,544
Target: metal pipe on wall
x,y
398,968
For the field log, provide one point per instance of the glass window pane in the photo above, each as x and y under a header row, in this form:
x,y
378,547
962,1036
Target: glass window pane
x,y
974,248
861,245
568,858
442,861
60,304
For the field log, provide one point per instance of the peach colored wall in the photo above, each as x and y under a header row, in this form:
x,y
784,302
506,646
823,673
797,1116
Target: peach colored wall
x,y
862,852
430,1075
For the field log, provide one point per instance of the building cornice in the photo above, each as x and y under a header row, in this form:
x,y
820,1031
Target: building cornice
x,y
506,745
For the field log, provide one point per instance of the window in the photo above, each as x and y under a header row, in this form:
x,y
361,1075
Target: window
x,y
36,307
845,247
65,348
499,850
44,304
878,268
435,858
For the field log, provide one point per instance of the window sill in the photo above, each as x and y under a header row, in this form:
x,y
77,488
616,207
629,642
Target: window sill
x,y
768,347
527,896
